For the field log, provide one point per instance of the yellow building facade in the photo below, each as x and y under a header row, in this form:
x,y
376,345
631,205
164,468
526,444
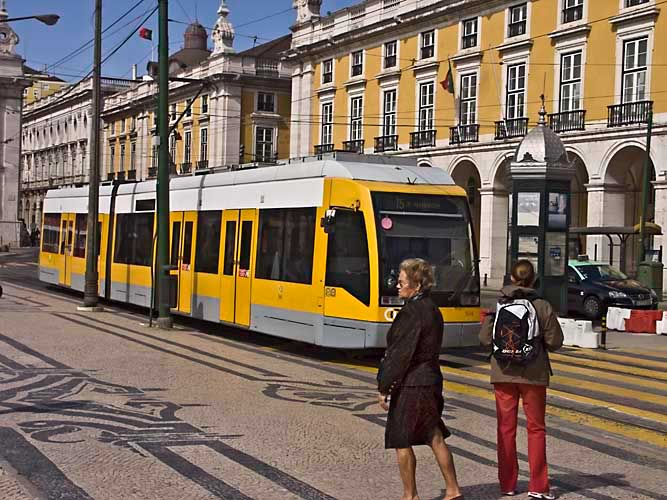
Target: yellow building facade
x,y
43,85
458,84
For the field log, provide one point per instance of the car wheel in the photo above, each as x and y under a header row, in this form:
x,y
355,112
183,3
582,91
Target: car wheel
x,y
592,307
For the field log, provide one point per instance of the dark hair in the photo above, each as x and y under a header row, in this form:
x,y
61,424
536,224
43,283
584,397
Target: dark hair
x,y
523,273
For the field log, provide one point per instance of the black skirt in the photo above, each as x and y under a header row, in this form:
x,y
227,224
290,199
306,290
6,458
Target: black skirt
x,y
414,415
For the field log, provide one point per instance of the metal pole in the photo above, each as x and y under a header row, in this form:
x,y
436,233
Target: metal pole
x,y
90,295
641,255
164,319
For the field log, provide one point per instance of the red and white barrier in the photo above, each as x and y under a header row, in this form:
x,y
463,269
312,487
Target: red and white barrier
x,y
636,320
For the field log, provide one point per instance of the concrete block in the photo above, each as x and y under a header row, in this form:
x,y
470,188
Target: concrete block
x,y
616,317
586,337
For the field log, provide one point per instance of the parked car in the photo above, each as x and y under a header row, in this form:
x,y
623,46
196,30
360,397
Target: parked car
x,y
595,286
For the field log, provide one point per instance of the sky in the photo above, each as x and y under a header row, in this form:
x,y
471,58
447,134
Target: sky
x,y
44,47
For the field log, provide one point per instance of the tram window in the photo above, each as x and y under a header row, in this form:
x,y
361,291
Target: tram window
x,y
246,240
187,243
285,249
134,239
347,256
208,242
230,246
51,233
80,233
175,243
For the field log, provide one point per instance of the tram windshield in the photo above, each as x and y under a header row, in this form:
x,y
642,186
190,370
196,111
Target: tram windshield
x,y
433,228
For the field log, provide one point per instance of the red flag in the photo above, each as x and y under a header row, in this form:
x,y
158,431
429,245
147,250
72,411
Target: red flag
x,y
448,82
146,34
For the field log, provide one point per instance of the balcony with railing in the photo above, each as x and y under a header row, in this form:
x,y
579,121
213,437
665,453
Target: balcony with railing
x,y
202,164
132,175
568,121
152,172
267,67
464,133
386,143
110,176
422,139
324,148
356,146
509,128
186,168
120,175
630,113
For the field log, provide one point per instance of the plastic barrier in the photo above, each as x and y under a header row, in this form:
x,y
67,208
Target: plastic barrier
x,y
616,318
579,333
643,321
661,326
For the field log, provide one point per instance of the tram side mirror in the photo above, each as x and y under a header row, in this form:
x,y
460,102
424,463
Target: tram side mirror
x,y
328,221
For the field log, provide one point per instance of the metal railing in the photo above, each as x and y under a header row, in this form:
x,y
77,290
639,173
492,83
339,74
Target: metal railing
x,y
132,175
513,127
267,67
422,139
202,164
152,172
629,113
120,175
464,133
568,121
324,148
356,146
386,143
186,168
516,29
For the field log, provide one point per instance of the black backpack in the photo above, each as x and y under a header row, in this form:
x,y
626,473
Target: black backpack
x,y
517,338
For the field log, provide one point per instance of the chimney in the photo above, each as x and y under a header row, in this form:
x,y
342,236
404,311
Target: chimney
x,y
134,72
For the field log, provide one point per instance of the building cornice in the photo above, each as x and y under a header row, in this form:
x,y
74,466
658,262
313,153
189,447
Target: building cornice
x,y
634,15
581,30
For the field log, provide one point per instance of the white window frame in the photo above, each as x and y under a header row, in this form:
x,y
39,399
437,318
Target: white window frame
x,y
256,142
464,77
187,146
508,14
326,120
323,66
570,81
353,55
204,103
273,96
389,112
627,34
425,109
133,155
623,8
463,34
394,44
356,126
188,108
517,91
422,36
571,4
203,144
173,149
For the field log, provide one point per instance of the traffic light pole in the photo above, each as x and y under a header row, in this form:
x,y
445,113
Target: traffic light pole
x,y
90,294
164,319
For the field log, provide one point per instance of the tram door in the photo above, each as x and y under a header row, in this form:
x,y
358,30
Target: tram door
x,y
236,279
181,259
66,248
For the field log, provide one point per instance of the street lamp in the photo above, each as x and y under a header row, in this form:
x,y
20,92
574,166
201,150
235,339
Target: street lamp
x,y
48,19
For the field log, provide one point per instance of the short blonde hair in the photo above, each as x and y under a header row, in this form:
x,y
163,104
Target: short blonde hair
x,y
419,273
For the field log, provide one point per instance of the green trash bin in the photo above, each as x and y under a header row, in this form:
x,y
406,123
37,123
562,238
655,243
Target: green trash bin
x,y
649,274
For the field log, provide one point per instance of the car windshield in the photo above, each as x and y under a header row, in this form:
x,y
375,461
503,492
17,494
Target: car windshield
x,y
601,272
433,228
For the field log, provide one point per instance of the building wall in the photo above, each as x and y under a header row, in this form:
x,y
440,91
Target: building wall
x,y
608,155
40,89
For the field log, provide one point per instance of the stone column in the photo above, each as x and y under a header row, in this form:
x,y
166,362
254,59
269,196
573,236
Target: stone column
x,y
493,236
660,188
301,128
606,207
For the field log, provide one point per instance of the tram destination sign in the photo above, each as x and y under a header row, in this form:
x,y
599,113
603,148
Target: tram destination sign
x,y
399,202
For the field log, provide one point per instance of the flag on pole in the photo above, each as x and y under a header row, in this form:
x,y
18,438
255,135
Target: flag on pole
x,y
448,82
146,34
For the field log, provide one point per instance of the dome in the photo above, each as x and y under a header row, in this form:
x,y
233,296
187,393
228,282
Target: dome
x,y
195,36
542,145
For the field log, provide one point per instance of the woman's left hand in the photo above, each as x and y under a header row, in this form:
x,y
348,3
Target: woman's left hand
x,y
384,404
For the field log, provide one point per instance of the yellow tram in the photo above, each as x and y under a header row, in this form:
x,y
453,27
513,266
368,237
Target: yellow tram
x,y
308,250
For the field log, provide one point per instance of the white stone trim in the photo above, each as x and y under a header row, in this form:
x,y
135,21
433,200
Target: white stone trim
x,y
627,34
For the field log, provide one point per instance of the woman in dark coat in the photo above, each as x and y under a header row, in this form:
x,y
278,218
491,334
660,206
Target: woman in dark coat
x,y
410,381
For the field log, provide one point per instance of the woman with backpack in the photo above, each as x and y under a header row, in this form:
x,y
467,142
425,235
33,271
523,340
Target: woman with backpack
x,y
522,332
410,381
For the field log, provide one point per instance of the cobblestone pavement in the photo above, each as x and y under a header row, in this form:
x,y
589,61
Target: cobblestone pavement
x,y
99,406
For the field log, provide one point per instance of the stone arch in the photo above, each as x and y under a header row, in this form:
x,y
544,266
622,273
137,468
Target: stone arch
x,y
466,175
579,192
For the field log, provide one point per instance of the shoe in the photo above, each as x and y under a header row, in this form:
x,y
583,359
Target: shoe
x,y
544,496
509,493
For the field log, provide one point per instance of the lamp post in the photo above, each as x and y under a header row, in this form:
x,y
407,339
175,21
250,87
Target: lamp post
x,y
48,19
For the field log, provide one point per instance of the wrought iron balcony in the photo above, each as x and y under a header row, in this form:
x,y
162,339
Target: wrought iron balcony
x,y
132,175
356,146
324,148
186,168
464,133
120,175
422,139
386,143
152,172
516,29
266,158
568,121
202,164
509,128
110,176
629,113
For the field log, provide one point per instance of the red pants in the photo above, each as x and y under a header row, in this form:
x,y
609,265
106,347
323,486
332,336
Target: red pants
x,y
534,406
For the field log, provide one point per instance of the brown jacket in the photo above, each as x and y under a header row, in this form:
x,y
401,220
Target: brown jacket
x,y
537,372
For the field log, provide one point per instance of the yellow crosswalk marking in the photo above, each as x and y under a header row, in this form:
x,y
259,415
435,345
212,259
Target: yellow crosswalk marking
x,y
648,363
584,419
613,367
578,383
656,353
